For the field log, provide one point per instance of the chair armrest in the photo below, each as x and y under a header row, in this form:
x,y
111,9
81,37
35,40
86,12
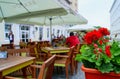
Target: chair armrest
x,y
41,54
35,66
62,56
8,77
37,54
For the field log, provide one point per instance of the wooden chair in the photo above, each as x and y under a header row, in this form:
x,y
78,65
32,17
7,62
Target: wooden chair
x,y
65,61
39,45
31,43
22,44
47,44
40,57
75,52
8,46
19,52
3,49
46,70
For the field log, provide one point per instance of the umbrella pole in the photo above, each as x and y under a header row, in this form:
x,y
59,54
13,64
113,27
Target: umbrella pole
x,y
50,30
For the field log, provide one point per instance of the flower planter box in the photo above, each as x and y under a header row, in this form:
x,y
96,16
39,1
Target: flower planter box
x,y
95,74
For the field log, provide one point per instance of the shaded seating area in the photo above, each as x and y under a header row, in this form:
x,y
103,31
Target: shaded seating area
x,y
64,57
45,72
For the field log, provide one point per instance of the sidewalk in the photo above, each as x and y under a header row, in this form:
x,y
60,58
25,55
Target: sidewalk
x,y
61,75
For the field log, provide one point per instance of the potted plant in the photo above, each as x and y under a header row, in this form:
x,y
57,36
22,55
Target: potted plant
x,y
100,58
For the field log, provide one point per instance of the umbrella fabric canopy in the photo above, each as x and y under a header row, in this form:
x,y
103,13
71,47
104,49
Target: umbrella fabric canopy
x,y
12,9
56,20
37,12
52,20
80,27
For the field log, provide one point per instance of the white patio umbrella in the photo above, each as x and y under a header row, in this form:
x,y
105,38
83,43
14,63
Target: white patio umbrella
x,y
81,28
12,9
41,12
56,20
52,20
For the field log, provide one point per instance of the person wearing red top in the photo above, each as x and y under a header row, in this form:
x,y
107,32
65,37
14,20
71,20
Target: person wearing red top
x,y
72,40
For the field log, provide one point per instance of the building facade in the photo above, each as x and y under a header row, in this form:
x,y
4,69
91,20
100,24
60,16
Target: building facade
x,y
74,5
28,32
115,20
70,5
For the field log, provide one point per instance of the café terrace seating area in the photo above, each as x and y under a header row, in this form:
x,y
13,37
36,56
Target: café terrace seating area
x,y
40,59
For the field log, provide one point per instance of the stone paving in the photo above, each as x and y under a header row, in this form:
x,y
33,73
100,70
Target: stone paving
x,y
61,74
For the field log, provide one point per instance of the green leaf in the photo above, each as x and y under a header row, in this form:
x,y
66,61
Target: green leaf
x,y
116,60
98,62
117,69
105,67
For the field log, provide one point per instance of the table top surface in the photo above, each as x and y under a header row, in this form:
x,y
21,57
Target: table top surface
x,y
56,48
13,61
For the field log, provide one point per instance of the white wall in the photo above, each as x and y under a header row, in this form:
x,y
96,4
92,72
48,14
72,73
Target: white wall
x,y
115,19
16,32
2,37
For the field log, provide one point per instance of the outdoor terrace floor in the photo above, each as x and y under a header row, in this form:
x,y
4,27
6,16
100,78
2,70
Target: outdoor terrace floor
x,y
61,74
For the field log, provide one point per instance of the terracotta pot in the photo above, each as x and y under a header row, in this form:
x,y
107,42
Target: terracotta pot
x,y
95,74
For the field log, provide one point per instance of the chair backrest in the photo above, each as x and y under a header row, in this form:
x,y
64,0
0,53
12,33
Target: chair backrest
x,y
3,49
47,68
41,43
47,44
19,52
30,43
22,44
77,48
70,53
8,46
33,51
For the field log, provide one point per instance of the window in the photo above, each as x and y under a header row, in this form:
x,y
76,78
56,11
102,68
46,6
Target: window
x,y
7,30
24,33
47,32
58,31
40,33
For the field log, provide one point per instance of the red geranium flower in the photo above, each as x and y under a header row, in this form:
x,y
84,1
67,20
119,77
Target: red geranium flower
x,y
104,31
107,51
101,42
92,36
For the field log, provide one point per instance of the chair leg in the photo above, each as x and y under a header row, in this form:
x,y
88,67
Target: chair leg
x,y
72,67
76,66
66,70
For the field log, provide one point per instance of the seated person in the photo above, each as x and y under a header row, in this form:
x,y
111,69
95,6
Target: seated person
x,y
72,40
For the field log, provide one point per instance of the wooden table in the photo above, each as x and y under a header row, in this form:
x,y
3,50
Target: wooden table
x,y
13,63
55,50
